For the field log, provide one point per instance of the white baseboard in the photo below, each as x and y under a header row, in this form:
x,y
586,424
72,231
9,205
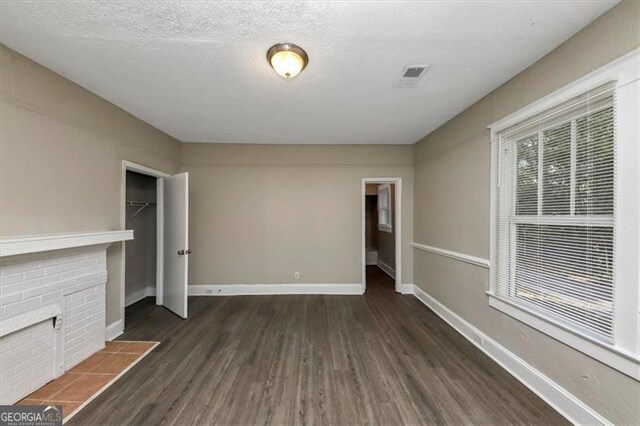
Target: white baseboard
x,y
559,398
138,295
113,330
387,269
272,289
371,257
406,289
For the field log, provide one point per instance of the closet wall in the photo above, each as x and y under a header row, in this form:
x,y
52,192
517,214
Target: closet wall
x,y
387,240
141,251
371,217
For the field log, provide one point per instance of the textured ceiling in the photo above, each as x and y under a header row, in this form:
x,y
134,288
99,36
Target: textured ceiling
x,y
197,69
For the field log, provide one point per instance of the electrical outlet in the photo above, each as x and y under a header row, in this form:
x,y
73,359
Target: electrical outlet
x,y
296,275
479,340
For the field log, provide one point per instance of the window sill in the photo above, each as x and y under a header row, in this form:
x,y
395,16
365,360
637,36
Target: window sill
x,y
613,356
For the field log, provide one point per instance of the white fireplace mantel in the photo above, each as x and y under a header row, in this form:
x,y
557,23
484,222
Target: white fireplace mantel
x,y
53,298
38,243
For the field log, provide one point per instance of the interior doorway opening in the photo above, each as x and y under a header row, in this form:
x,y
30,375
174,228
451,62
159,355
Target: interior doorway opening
x,y
141,252
143,212
156,206
381,233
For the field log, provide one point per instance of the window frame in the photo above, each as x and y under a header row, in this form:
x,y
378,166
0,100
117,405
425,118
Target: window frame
x,y
388,226
623,352
570,218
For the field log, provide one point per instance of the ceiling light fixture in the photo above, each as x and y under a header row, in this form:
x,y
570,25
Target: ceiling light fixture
x,y
287,59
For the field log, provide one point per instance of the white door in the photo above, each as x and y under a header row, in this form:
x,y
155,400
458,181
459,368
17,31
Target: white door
x,y
176,243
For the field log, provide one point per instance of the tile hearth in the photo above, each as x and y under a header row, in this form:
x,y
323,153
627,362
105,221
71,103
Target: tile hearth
x,y
87,380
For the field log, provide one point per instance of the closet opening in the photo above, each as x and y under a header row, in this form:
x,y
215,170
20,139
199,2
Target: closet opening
x,y
142,211
155,205
141,252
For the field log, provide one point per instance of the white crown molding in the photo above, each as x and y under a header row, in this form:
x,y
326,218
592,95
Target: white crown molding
x,y
273,289
38,243
478,261
556,396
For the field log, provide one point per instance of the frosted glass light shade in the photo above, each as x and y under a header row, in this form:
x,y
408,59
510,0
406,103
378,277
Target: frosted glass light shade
x,y
287,59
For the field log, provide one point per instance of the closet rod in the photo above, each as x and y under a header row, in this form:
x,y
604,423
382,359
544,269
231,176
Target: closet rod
x,y
142,204
139,203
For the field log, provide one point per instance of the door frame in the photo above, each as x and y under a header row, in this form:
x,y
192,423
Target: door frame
x,y
159,175
397,223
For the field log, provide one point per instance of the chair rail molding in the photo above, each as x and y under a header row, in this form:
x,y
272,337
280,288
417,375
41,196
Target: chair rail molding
x,y
474,260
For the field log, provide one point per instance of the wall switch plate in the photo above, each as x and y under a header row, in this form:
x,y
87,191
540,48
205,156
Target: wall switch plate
x,y
296,275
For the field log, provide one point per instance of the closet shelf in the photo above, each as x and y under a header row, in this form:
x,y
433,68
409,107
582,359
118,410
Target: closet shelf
x,y
141,204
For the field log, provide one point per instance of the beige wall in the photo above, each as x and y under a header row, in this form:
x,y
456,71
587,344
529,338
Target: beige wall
x,y
261,212
387,240
371,217
258,213
61,149
371,189
452,212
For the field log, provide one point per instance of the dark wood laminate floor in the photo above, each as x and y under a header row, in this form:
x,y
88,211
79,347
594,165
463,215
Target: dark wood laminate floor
x,y
382,358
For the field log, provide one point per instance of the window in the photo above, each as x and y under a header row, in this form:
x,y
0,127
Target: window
x,y
556,213
385,220
560,259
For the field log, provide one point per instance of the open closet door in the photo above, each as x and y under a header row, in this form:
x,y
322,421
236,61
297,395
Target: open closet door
x,y
176,243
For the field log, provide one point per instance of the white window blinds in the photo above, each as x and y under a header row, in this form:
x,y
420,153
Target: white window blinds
x,y
555,214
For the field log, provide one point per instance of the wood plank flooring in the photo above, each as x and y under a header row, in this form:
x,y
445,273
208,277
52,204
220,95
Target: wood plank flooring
x,y
381,358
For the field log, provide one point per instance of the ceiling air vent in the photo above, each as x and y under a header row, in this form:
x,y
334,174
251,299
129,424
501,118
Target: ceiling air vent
x,y
411,75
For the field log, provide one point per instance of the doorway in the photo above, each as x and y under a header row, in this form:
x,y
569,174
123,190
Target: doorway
x,y
381,232
141,252
155,205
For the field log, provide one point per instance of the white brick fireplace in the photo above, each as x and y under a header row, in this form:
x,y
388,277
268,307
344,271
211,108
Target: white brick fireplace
x,y
52,306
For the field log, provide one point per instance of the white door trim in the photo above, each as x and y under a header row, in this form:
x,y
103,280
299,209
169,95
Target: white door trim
x,y
138,168
397,219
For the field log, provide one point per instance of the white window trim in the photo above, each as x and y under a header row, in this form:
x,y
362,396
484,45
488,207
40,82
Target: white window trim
x,y
624,353
385,227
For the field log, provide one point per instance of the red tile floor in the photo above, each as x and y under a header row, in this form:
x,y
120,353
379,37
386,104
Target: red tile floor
x,y
87,379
